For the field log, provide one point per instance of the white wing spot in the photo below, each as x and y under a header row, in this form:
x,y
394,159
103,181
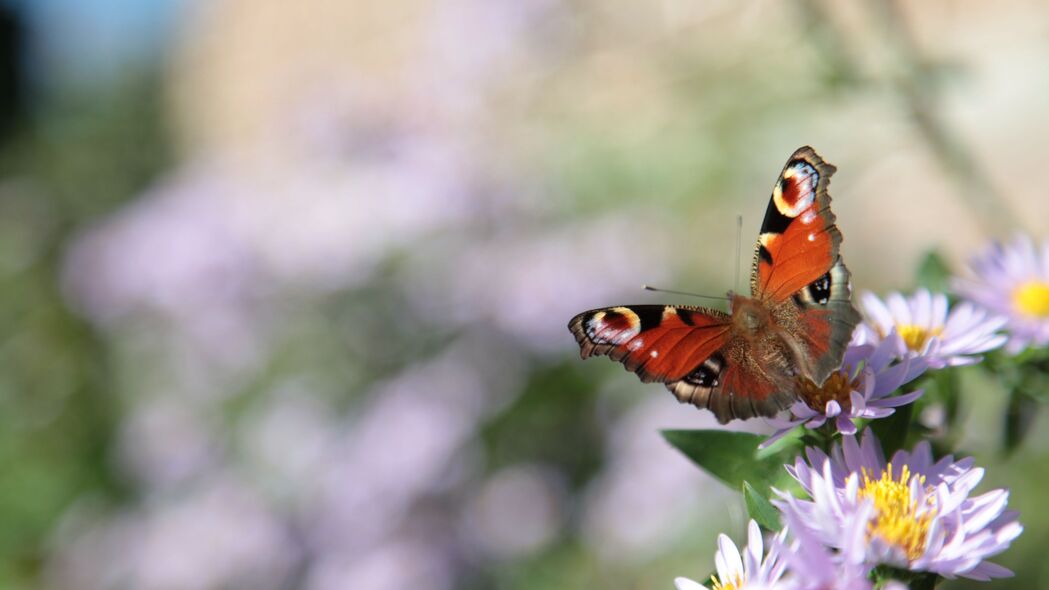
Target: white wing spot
x,y
812,237
654,353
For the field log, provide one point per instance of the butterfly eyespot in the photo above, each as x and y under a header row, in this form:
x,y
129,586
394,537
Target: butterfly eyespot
x,y
819,290
796,190
707,373
613,326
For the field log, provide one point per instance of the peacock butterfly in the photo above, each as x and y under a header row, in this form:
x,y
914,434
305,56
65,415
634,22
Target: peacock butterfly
x,y
794,326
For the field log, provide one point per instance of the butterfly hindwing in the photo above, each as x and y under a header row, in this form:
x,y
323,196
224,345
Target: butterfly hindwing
x,y
740,391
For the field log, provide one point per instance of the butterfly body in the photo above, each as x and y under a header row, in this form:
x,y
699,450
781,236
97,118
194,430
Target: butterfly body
x,y
794,325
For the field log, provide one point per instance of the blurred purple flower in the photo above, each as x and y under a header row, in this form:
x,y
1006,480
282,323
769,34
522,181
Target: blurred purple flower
x,y
860,389
178,253
1012,280
209,243
167,441
927,330
516,512
220,534
635,509
411,439
327,225
288,439
923,518
409,562
401,446
523,281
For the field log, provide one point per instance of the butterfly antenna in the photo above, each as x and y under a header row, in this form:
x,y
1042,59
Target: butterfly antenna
x,y
739,253
658,290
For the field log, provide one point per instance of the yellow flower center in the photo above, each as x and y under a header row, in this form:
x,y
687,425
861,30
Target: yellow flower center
x,y
836,387
898,519
1032,299
916,336
732,584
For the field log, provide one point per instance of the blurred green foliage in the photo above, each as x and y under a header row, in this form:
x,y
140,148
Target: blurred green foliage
x,y
74,159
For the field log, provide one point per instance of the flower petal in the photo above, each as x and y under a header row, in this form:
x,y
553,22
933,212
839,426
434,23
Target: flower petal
x,y
687,584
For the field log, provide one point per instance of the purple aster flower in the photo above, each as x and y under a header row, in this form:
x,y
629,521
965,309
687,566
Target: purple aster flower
x,y
1012,280
812,565
920,514
753,570
861,388
928,330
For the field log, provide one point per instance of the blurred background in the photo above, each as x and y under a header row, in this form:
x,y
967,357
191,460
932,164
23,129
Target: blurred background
x,y
285,285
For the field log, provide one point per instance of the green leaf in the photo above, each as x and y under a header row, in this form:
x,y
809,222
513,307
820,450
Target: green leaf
x,y
948,388
1019,417
892,430
760,509
925,582
733,457
933,272
884,574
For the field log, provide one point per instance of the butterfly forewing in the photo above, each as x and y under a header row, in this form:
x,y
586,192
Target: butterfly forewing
x,y
798,242
658,342
797,268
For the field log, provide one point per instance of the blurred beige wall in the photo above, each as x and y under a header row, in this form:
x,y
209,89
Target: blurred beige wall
x,y
749,78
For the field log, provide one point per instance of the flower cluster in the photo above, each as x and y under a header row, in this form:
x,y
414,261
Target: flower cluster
x,y
861,521
911,514
801,564
915,513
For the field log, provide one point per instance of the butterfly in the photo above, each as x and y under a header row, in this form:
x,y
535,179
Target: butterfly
x,y
794,326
